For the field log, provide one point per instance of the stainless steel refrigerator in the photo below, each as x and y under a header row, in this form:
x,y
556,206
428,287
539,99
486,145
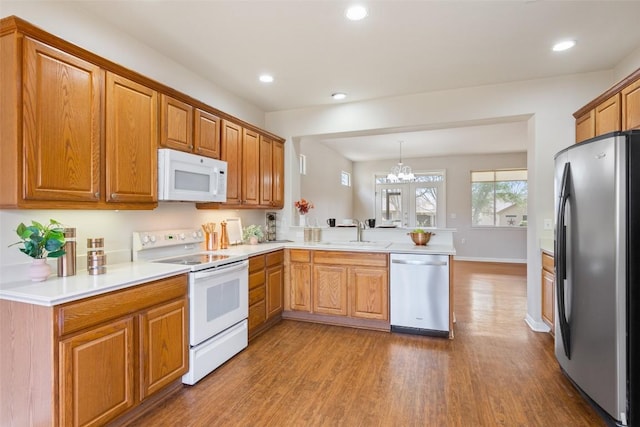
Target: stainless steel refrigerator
x,y
597,243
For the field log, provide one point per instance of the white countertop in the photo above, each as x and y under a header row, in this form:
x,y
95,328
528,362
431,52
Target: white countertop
x,y
58,290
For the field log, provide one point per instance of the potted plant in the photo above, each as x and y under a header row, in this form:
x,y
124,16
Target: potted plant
x,y
253,234
41,242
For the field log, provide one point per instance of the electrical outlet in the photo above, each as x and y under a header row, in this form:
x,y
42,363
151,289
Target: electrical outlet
x,y
548,224
453,216
463,240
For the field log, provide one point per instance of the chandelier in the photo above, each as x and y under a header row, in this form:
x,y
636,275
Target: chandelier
x,y
400,172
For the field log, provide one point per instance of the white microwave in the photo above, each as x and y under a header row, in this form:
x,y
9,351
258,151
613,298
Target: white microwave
x,y
189,177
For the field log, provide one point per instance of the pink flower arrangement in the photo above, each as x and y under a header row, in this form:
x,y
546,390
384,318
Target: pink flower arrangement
x,y
303,206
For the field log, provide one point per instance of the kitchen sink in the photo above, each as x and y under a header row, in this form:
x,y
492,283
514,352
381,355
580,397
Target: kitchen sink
x,y
365,244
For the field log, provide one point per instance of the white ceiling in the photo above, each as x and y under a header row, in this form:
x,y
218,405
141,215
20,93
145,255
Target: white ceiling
x,y
402,47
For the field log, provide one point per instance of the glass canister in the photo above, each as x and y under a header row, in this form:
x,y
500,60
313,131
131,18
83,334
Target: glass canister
x,y
67,262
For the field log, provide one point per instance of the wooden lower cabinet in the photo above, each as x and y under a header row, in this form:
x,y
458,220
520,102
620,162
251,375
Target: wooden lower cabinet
x,y
266,282
350,288
93,360
548,290
97,374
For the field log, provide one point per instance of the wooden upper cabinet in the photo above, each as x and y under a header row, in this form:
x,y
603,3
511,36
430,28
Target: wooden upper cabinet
x,y
131,141
231,152
62,99
250,168
616,109
631,106
608,115
206,134
266,171
586,126
277,175
176,124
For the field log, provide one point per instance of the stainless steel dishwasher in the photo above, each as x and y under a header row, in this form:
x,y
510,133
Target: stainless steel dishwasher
x,y
419,295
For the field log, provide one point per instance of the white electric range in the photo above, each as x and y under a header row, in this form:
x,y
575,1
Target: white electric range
x,y
218,295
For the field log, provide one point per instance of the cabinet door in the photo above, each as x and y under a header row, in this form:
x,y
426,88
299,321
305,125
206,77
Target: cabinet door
x,y
277,175
330,290
62,106
231,152
266,171
586,126
300,286
176,124
131,141
207,134
275,286
369,289
608,115
250,168
164,346
631,106
96,374
548,284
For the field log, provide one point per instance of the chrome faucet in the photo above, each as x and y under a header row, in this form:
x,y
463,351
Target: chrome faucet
x,y
359,228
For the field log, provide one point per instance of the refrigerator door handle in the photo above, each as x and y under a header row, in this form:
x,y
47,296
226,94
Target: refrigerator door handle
x,y
561,260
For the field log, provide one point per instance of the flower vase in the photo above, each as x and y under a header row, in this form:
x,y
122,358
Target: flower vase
x,y
303,220
39,270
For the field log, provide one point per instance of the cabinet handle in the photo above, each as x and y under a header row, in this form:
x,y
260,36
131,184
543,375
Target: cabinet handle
x,y
114,196
96,195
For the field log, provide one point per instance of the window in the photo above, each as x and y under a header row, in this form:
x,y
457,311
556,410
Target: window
x,y
499,198
417,203
345,179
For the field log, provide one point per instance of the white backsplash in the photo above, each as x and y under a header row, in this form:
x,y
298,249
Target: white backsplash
x,y
116,227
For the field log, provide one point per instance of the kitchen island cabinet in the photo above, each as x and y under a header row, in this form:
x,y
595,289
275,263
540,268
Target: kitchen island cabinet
x,y
345,288
90,361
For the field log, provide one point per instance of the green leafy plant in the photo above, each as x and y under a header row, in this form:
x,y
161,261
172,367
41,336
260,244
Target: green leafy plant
x,y
252,231
418,230
41,241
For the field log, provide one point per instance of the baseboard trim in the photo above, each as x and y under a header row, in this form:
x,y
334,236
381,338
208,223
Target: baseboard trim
x,y
535,325
503,260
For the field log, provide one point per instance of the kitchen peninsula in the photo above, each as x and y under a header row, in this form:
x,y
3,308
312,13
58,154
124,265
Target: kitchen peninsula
x,y
136,306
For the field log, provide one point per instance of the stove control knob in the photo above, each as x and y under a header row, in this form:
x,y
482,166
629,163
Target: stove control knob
x,y
199,232
182,236
194,234
152,238
145,238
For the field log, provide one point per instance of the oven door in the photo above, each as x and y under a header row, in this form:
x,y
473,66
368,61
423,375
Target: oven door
x,y
219,298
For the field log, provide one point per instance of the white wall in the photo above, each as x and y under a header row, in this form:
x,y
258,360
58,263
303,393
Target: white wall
x,y
482,244
322,184
549,102
627,65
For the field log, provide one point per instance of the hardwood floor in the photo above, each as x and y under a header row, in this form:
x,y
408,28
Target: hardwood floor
x,y
496,372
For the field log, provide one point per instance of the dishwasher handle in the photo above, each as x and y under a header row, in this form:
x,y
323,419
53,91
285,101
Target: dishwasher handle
x,y
415,262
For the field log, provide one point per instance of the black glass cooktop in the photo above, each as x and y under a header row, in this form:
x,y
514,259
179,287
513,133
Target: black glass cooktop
x,y
194,259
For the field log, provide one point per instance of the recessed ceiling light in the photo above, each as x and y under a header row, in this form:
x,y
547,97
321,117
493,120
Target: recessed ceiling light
x,y
266,78
356,13
567,44
338,96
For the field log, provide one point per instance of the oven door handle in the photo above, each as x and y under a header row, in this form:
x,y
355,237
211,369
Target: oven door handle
x,y
243,265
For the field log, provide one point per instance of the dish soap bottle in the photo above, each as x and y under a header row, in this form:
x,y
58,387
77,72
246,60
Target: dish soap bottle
x,y
224,236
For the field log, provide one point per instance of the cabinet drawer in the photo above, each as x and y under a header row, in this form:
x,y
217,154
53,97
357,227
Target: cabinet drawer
x,y
256,295
299,255
275,258
548,263
256,263
256,279
257,314
81,314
